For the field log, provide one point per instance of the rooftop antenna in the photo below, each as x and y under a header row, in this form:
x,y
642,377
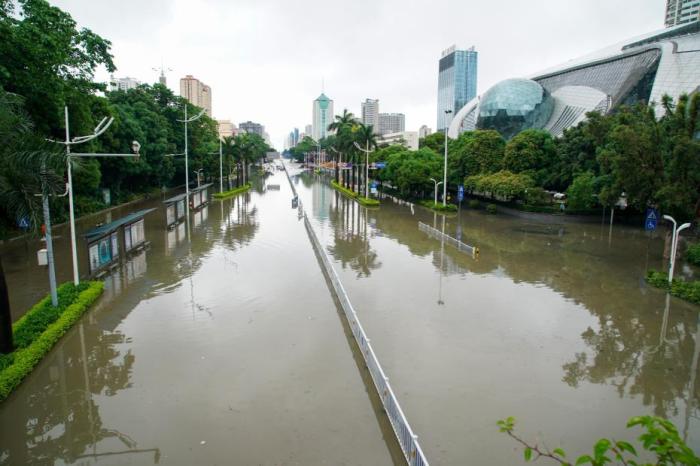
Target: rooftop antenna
x,y
162,69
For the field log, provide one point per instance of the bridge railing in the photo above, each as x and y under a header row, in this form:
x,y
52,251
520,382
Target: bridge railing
x,y
435,233
408,441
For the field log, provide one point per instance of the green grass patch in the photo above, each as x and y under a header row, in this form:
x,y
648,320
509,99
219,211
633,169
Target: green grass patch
x,y
690,291
438,207
233,192
40,328
344,190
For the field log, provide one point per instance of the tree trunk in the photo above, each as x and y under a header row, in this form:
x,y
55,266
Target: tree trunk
x,y
6,343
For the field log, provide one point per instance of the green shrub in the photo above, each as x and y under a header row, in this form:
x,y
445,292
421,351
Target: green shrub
x,y
232,192
40,328
491,208
581,194
504,184
474,204
693,254
537,196
690,291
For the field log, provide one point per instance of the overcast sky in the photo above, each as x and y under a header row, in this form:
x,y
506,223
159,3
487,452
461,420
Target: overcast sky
x,y
265,59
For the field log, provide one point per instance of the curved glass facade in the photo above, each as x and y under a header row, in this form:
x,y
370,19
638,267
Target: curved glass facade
x,y
514,105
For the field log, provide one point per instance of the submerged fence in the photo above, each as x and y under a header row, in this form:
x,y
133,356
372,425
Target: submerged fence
x,y
404,434
437,234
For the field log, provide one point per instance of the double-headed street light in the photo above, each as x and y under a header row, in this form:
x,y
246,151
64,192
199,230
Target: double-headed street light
x,y
99,129
437,183
444,179
674,244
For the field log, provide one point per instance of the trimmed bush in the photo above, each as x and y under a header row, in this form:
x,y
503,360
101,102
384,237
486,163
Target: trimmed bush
x,y
233,192
344,190
690,291
439,207
693,254
492,209
40,328
367,202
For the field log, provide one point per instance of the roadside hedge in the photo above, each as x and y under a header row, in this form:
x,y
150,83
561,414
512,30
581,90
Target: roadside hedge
x,y
693,254
344,190
367,202
690,291
40,328
233,192
439,207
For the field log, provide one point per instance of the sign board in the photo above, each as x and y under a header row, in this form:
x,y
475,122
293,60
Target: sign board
x,y
460,193
295,202
380,164
373,187
651,219
23,223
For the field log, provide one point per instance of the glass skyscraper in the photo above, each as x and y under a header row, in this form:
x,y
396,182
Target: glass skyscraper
x,y
456,82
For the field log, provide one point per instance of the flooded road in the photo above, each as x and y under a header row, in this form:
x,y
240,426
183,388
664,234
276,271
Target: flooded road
x,y
224,350
552,324
229,349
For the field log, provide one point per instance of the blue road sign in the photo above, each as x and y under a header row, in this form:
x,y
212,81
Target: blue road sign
x,y
23,223
651,219
380,164
460,193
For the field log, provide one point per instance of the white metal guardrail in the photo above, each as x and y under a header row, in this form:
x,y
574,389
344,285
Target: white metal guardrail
x,y
435,233
408,441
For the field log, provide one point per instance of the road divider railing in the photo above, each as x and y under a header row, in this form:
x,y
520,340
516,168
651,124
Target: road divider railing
x,y
437,234
408,441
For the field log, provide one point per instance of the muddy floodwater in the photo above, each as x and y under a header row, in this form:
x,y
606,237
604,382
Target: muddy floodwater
x,y
228,348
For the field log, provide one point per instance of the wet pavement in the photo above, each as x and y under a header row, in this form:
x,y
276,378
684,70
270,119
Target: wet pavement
x,y
226,349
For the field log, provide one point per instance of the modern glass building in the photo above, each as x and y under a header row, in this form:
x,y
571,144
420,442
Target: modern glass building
x,y
456,82
642,69
322,116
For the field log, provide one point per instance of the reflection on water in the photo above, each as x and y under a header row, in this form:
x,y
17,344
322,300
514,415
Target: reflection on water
x,y
565,303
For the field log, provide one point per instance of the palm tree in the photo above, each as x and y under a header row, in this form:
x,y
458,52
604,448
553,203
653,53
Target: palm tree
x,y
28,166
342,126
364,136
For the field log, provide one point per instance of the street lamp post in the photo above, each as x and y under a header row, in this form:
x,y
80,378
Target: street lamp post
x,y
99,129
444,179
187,170
437,183
674,244
221,167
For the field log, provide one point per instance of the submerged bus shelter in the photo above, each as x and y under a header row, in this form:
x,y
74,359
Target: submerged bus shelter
x,y
199,195
106,241
174,209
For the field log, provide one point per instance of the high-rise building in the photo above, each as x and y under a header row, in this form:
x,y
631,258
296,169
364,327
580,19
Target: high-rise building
x,y
226,128
308,131
322,116
252,127
424,131
196,92
456,83
681,12
370,113
123,84
392,123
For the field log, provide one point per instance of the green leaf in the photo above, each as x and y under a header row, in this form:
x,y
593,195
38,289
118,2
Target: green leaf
x,y
600,448
583,460
626,446
560,452
528,453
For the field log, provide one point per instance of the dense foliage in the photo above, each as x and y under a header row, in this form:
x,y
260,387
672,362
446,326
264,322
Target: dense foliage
x,y
46,64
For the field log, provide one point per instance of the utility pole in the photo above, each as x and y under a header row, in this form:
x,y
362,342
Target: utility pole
x,y
444,179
